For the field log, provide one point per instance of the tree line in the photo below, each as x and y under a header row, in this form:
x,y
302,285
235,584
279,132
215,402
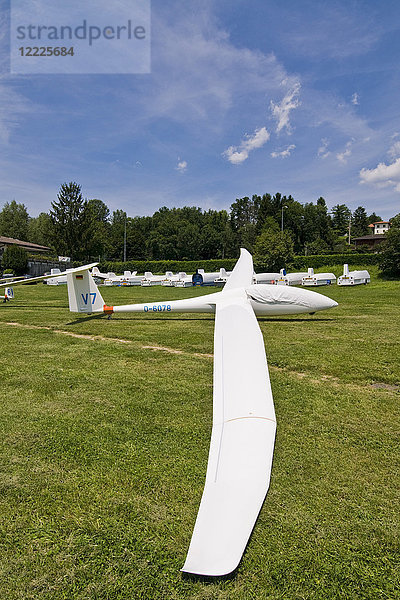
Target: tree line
x,y
85,229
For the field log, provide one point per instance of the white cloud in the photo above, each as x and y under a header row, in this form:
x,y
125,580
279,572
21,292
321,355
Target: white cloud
x,y
238,154
199,74
283,153
394,150
339,30
323,151
13,109
182,166
343,156
355,99
281,111
383,175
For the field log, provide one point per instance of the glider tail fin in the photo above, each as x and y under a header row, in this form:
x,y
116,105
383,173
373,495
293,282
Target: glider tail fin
x,y
8,293
83,293
242,274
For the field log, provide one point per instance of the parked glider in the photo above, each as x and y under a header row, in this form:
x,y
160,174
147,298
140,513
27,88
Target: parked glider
x,y
312,279
290,278
270,278
353,277
149,279
8,294
243,433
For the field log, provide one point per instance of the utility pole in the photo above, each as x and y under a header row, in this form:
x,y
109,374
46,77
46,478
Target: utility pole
x,y
125,241
283,206
349,229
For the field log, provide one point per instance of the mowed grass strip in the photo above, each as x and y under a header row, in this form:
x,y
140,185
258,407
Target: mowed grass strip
x,y
104,450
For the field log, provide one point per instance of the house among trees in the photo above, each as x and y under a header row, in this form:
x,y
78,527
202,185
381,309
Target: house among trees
x,y
378,230
7,242
380,227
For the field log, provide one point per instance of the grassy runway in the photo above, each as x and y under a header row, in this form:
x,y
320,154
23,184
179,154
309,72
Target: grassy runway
x,y
104,437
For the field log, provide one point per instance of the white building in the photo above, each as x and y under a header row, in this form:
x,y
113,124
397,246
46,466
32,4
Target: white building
x,y
380,227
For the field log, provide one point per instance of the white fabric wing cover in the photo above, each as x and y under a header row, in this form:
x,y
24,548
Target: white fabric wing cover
x,y
242,443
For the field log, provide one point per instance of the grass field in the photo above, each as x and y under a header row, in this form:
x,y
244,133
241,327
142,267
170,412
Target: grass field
x,y
104,437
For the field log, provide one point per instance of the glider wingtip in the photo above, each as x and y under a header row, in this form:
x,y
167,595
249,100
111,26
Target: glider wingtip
x,y
218,569
208,572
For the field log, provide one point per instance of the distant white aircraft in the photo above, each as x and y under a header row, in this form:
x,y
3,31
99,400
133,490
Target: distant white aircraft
x,y
6,283
222,277
171,280
57,277
133,279
110,278
289,278
8,294
269,278
97,274
183,281
149,279
203,278
353,277
243,433
312,279
127,278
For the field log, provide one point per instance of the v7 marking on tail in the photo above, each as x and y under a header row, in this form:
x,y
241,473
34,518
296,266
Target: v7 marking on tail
x,y
85,297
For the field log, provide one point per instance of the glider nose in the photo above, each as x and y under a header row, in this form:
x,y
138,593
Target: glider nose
x,y
324,303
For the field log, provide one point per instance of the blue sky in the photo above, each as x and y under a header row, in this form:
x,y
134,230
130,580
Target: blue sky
x,y
244,97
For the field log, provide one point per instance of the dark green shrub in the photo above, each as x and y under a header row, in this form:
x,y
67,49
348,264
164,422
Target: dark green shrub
x,y
16,259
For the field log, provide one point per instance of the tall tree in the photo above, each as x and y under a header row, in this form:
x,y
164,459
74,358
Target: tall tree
x,y
373,218
359,222
69,219
118,219
96,240
40,230
341,216
274,250
395,221
389,257
14,220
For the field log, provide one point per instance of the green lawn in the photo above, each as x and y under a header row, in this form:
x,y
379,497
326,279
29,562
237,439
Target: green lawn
x,y
104,447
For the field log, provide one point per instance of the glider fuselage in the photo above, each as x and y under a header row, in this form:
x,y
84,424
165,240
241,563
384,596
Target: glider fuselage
x,y
264,299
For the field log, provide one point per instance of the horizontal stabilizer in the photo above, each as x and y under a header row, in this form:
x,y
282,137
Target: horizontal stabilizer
x,y
44,277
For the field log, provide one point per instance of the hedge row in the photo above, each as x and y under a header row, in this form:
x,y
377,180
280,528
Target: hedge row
x,y
190,266
319,260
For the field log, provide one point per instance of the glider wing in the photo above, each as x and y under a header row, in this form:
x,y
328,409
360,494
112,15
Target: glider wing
x,y
242,443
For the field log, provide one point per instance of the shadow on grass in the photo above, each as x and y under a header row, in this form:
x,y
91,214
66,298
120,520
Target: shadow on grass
x,y
209,579
42,306
296,320
85,319
260,319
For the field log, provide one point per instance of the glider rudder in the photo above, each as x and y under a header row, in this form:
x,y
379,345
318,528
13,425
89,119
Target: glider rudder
x,y
242,274
83,293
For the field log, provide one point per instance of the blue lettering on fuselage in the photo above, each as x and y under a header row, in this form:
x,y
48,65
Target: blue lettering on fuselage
x,y
157,308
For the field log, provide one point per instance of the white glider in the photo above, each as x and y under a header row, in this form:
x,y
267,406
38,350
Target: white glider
x,y
313,279
243,432
353,277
